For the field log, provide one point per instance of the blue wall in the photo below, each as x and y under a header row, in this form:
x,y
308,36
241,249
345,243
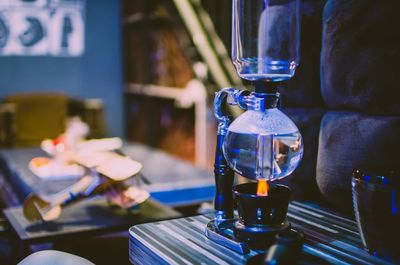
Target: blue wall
x,y
96,74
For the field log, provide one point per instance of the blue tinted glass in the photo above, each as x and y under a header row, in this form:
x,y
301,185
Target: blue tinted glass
x,y
265,38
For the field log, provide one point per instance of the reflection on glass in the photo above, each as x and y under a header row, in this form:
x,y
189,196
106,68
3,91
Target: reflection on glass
x,y
263,145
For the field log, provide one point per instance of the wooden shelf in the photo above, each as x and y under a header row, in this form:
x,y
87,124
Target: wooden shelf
x,y
193,94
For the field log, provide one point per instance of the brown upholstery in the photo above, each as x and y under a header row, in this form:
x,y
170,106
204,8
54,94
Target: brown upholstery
x,y
36,116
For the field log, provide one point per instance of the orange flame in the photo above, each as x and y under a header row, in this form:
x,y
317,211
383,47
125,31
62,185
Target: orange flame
x,y
262,187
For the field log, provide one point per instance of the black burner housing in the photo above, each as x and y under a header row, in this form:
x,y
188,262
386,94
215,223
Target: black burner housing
x,y
260,217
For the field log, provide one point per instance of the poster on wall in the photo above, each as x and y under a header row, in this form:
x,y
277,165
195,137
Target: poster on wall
x,y
42,28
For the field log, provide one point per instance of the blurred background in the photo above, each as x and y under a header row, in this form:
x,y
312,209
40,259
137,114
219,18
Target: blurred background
x,y
148,67
147,71
143,70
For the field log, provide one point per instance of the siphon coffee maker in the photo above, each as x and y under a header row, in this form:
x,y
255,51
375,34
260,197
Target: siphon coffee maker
x,y
262,144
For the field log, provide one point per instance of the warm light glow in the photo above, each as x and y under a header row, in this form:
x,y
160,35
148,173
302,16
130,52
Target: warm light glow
x,y
262,187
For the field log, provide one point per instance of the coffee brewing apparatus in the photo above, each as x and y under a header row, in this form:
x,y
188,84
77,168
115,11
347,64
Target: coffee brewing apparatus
x,y
262,144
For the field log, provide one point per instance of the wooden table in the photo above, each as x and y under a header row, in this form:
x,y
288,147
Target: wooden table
x,y
86,218
330,239
169,180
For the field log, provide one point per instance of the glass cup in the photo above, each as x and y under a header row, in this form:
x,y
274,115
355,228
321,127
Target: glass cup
x,y
376,201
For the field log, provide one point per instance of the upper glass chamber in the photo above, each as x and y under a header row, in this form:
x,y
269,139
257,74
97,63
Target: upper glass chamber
x,y
266,38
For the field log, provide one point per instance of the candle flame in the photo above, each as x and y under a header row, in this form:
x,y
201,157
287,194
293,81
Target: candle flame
x,y
262,187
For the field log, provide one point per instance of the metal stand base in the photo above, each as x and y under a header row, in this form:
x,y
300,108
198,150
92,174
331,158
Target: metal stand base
x,y
223,235
259,236
226,233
